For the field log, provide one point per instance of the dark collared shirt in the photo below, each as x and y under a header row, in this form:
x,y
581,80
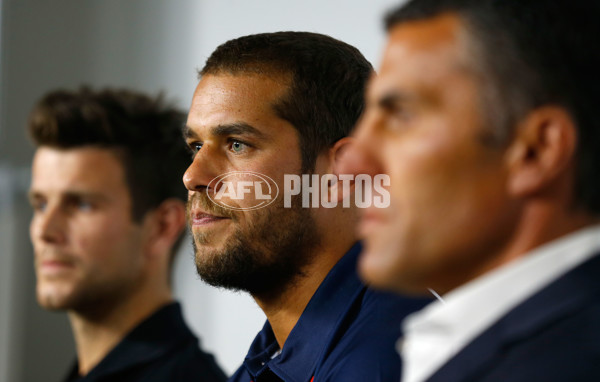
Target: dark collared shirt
x,y
160,349
346,333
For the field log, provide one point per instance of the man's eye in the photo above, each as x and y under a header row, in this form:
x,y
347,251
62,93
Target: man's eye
x,y
39,205
237,146
195,147
84,206
80,205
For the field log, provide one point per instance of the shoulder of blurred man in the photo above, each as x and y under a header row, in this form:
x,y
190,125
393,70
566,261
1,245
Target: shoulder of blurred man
x,y
551,336
160,349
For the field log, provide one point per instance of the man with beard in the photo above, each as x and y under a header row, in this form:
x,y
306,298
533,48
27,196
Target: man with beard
x,y
485,116
109,213
268,105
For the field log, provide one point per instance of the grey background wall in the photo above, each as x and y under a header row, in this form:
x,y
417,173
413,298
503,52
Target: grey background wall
x,y
148,45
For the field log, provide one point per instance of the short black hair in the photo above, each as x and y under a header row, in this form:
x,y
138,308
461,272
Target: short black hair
x,y
328,79
144,132
533,53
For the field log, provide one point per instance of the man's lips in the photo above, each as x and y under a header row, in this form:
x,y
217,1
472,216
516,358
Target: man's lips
x,y
201,218
371,221
55,266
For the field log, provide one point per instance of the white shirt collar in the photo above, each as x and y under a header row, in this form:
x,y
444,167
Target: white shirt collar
x,y
435,334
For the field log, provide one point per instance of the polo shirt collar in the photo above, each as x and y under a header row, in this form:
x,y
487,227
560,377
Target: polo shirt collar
x,y
315,330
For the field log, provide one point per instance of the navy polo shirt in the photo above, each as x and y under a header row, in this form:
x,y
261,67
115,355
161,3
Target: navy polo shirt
x,y
346,333
160,349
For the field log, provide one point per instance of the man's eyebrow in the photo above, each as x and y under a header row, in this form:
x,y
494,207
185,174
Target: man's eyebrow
x,y
237,128
74,194
189,133
393,98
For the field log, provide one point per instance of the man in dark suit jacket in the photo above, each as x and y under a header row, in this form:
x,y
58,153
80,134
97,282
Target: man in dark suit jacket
x,y
485,117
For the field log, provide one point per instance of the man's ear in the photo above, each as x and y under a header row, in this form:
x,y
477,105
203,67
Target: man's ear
x,y
542,150
167,221
344,186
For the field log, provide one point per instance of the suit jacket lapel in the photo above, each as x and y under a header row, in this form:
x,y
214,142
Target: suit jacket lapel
x,y
561,298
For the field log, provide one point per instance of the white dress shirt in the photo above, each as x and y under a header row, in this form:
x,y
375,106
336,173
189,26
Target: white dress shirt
x,y
435,334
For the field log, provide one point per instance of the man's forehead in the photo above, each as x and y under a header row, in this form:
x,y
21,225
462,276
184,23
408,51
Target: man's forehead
x,y
82,168
441,34
231,103
422,50
80,156
214,87
428,32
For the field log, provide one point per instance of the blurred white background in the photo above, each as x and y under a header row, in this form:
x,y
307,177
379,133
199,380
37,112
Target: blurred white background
x,y
147,45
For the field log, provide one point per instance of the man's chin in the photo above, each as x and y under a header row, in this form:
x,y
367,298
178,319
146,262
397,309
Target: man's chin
x,y
53,304
53,298
374,267
211,240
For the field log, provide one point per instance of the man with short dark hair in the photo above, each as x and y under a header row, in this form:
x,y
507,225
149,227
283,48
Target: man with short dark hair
x,y
485,117
109,212
269,108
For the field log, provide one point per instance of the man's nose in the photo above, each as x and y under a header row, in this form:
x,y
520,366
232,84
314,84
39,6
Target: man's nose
x,y
356,160
361,156
203,169
49,225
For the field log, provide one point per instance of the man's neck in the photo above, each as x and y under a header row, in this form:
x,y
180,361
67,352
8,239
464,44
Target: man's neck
x,y
283,310
540,223
97,333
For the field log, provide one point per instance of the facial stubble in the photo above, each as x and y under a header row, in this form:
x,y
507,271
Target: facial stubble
x,y
263,257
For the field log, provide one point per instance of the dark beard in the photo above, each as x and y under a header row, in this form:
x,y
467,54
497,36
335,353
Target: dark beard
x,y
265,259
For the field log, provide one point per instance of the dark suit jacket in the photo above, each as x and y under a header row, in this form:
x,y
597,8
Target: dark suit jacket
x,y
552,336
